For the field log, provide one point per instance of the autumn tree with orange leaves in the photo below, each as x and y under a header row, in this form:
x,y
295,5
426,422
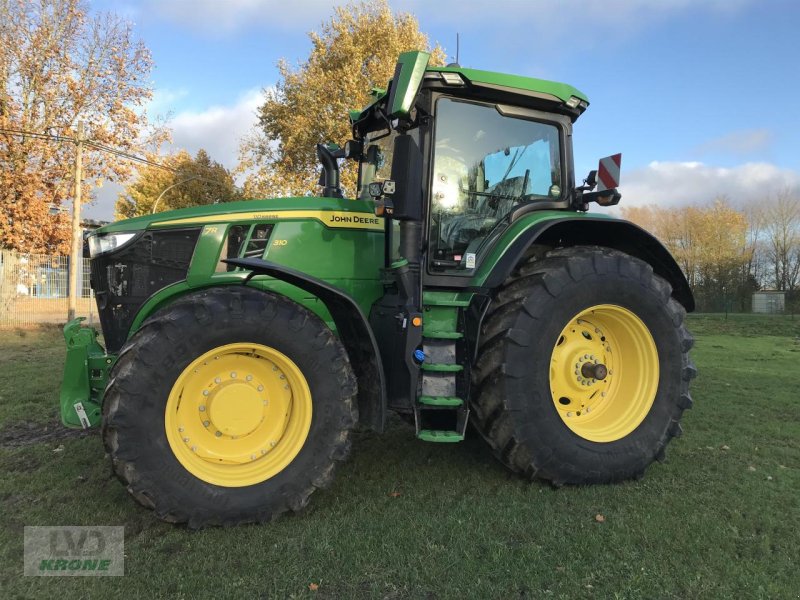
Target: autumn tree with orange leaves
x,y
727,253
354,52
60,65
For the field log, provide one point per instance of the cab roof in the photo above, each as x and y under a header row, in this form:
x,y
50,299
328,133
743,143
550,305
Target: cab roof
x,y
413,67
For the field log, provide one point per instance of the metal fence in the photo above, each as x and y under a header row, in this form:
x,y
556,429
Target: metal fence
x,y
34,290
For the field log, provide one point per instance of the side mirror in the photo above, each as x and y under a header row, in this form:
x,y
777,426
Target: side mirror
x,y
407,178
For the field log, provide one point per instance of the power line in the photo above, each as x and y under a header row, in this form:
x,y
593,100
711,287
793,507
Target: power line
x,y
132,157
33,134
96,145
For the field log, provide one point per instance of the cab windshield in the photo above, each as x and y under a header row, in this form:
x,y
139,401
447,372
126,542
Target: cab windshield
x,y
485,165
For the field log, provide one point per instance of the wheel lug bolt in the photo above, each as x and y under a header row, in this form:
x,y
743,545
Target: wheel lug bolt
x,y
218,434
569,414
252,457
263,451
260,388
206,423
273,443
249,378
588,409
282,377
217,380
602,394
585,356
202,408
186,440
233,375
194,448
205,392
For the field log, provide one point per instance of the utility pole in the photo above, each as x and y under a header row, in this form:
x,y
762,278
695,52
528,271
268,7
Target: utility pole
x,y
76,256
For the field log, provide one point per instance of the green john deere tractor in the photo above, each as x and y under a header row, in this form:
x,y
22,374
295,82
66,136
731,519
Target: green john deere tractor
x,y
465,283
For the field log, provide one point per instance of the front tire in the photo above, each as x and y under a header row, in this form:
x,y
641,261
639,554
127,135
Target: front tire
x,y
583,371
229,406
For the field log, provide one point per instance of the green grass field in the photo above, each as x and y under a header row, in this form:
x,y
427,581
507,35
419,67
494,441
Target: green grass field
x,y
406,519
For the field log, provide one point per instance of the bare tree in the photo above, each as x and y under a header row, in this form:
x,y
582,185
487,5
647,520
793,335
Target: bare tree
x,y
782,239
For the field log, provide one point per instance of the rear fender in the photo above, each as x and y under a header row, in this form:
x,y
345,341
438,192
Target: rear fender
x,y
587,231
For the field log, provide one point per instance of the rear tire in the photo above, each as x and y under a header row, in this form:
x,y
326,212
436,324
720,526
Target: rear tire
x,y
175,403
531,400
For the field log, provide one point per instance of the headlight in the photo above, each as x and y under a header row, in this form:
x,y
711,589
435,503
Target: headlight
x,y
102,243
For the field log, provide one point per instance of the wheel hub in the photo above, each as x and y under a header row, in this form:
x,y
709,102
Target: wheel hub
x,y
236,409
596,371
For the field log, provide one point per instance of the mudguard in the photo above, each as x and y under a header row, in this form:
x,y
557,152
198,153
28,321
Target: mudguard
x,y
612,233
353,330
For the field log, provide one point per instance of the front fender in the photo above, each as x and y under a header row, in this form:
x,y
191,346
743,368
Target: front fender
x,y
353,330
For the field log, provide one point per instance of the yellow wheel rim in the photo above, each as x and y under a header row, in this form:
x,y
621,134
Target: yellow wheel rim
x,y
604,373
238,415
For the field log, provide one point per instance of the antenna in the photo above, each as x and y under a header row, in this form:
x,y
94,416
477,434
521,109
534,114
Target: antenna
x,y
457,47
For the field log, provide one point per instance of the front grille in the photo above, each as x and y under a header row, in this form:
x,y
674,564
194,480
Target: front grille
x,y
125,279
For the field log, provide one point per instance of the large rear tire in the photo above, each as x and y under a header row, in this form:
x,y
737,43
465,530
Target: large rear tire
x,y
229,406
583,371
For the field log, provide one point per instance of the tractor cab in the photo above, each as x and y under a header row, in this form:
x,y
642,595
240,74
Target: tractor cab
x,y
465,152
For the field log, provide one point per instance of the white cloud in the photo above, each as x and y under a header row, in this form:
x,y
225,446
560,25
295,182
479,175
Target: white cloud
x,y
738,143
217,129
681,183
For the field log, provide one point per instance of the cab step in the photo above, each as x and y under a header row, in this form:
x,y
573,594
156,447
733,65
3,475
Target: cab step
x,y
443,335
446,401
439,436
441,367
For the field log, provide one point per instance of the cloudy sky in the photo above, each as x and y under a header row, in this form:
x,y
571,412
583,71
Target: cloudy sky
x,y
699,95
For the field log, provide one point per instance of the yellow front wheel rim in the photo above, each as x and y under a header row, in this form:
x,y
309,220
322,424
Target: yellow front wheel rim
x,y
604,373
238,414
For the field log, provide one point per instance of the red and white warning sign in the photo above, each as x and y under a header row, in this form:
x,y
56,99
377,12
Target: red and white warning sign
x,y
608,172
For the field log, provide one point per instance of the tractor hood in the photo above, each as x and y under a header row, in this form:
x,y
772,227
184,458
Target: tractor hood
x,y
246,210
